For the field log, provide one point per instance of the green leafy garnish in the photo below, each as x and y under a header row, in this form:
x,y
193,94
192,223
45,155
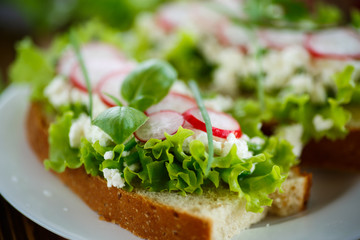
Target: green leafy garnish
x,y
120,122
345,85
195,89
148,84
355,18
32,66
289,13
61,154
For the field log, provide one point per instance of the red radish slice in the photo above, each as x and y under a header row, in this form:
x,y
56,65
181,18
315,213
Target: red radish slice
x,y
337,43
90,50
231,35
279,39
173,101
222,123
111,85
159,123
97,69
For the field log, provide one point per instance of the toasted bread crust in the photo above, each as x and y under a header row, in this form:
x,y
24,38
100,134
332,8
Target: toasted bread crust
x,y
138,214
340,154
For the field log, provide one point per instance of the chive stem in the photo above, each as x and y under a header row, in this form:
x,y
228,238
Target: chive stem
x,y
75,45
195,89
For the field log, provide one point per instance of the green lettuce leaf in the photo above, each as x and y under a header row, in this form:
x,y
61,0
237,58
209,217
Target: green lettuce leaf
x,y
32,65
256,190
61,154
345,85
186,57
90,157
254,178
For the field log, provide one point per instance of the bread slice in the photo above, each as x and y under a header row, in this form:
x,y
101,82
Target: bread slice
x,y
340,154
217,214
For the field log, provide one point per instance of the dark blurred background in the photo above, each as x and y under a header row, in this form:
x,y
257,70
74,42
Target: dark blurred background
x,y
41,19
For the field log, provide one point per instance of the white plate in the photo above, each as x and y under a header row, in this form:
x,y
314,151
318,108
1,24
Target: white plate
x,y
333,211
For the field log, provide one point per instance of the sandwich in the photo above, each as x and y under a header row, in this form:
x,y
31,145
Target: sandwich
x,y
299,79
147,151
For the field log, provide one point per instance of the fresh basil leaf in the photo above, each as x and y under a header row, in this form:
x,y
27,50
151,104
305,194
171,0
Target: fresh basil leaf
x,y
148,84
120,122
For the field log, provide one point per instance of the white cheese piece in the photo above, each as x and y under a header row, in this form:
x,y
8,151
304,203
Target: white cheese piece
x,y
82,127
58,91
113,178
322,124
77,96
77,131
125,153
202,137
211,49
219,103
94,134
227,74
109,155
181,87
292,134
61,92
221,146
242,149
257,140
301,83
279,66
133,167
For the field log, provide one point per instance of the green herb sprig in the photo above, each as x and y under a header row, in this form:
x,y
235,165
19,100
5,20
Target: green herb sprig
x,y
195,89
76,47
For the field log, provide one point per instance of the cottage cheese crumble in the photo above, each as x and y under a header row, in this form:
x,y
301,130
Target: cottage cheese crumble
x,y
113,178
82,127
322,124
221,146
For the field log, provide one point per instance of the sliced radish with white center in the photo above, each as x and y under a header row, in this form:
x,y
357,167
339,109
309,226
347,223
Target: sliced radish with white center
x,y
111,85
232,35
97,68
192,14
90,50
222,123
172,16
337,43
173,101
279,39
158,124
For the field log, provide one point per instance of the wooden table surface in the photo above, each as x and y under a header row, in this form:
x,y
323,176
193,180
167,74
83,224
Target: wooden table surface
x,y
16,226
